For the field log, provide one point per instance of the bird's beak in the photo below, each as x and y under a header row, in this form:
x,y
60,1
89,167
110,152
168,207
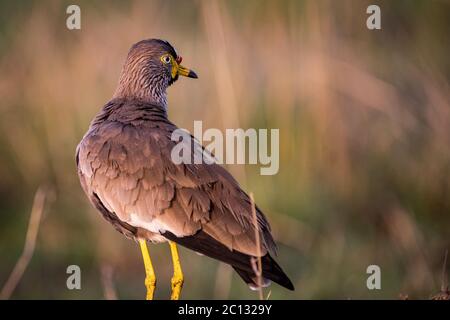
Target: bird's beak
x,y
183,71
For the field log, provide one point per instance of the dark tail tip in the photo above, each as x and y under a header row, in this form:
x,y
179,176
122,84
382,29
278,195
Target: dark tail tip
x,y
271,271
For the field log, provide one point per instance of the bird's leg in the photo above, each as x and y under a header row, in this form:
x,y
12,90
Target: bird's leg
x,y
177,279
150,277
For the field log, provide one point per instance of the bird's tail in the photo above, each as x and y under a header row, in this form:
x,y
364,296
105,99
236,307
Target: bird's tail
x,y
271,271
203,243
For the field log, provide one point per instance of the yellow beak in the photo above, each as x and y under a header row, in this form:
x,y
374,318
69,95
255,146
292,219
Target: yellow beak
x,y
182,71
179,70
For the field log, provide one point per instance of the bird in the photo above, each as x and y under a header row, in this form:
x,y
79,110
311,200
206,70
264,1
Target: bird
x,y
125,168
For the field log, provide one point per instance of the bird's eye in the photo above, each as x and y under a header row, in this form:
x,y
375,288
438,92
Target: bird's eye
x,y
166,59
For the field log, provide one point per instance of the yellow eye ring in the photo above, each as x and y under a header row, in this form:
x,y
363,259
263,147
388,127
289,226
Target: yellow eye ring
x,y
166,59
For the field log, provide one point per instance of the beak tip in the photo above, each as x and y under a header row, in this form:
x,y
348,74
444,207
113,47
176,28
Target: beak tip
x,y
192,74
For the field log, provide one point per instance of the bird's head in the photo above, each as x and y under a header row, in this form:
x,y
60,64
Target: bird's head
x,y
151,66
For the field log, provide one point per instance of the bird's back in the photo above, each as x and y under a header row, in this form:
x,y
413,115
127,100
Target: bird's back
x,y
125,161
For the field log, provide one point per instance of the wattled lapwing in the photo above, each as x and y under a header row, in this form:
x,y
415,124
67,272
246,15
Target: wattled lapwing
x,y
125,168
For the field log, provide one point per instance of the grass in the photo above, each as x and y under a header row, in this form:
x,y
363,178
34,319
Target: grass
x,y
364,137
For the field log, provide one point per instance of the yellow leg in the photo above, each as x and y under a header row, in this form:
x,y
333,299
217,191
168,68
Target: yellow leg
x,y
150,277
177,279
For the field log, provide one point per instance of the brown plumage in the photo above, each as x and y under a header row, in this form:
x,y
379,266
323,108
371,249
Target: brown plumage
x,y
125,168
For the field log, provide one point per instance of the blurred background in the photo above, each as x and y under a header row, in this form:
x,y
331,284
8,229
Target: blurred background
x,y
364,119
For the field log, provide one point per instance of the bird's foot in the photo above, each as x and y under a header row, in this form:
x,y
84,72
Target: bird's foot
x,y
150,277
150,284
178,278
177,285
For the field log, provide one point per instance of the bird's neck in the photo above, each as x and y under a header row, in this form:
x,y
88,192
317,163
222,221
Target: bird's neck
x,y
128,111
139,83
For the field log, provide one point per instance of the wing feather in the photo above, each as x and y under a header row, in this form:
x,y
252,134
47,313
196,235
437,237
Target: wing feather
x,y
127,165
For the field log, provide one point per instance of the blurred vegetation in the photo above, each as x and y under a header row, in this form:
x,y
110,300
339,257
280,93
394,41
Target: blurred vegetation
x,y
364,124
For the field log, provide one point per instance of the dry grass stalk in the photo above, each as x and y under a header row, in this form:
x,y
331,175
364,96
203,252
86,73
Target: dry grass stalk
x,y
444,285
444,294
30,243
109,290
257,267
